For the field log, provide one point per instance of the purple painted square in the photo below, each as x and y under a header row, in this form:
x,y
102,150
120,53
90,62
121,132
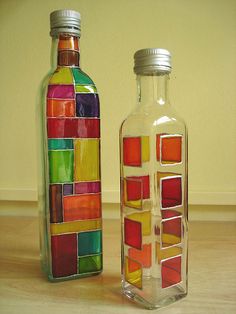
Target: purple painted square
x,y
87,105
87,187
68,189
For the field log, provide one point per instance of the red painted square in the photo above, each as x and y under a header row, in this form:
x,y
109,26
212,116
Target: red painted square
x,y
171,271
168,213
73,128
133,233
157,230
171,192
132,155
138,188
64,255
88,128
172,227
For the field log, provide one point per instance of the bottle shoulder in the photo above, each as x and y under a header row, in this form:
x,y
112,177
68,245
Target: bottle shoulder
x,y
65,81
70,75
148,120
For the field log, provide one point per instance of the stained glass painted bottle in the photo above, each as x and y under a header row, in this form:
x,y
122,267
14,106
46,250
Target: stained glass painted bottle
x,y
153,147
69,167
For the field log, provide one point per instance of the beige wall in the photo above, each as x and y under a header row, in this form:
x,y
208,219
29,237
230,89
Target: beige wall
x,y
201,34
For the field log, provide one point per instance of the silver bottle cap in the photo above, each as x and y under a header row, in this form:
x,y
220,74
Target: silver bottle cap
x,y
151,60
65,21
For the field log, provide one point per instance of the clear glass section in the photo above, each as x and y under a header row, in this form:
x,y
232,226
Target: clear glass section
x,y
153,163
69,188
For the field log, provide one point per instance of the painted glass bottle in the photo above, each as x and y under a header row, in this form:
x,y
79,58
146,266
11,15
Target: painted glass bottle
x,y
69,167
153,147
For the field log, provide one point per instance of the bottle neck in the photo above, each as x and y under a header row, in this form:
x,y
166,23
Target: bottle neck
x,y
65,51
153,89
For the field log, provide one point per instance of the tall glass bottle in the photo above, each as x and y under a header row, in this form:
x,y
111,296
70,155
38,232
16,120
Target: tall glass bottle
x,y
69,165
153,147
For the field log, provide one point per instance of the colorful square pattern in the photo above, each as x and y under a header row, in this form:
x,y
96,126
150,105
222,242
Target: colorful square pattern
x,y
56,211
143,256
133,233
162,254
171,271
171,232
61,166
136,150
137,225
64,255
139,256
133,272
89,243
60,107
144,218
169,148
136,189
73,131
90,264
171,192
80,207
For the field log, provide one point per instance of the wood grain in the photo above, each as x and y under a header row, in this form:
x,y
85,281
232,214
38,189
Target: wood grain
x,y
24,289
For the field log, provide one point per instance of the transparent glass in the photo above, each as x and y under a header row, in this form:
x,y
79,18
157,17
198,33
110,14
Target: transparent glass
x,y
69,179
154,207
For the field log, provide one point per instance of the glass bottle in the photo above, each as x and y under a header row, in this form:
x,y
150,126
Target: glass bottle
x,y
153,164
69,165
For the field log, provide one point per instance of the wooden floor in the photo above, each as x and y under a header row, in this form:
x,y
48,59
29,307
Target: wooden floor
x,y
24,289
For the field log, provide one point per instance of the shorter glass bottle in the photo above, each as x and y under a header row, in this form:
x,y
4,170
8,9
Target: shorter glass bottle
x,y
153,166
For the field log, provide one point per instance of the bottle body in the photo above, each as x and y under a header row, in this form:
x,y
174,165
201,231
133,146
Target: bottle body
x,y
69,168
153,148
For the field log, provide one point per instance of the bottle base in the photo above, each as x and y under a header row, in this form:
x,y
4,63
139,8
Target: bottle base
x,y
72,277
154,298
162,303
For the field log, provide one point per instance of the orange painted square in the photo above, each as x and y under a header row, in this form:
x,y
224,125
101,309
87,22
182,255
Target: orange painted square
x,y
80,207
68,42
60,108
171,149
143,256
132,151
133,265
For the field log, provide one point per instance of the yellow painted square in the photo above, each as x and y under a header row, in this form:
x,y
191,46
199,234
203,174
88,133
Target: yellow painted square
x,y
145,219
86,160
75,226
134,204
169,239
62,75
86,89
133,277
166,253
145,148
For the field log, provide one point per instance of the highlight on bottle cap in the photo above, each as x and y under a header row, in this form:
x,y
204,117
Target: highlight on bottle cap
x,y
67,21
151,60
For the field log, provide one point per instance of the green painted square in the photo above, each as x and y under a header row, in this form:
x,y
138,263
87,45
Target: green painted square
x,y
54,144
91,89
89,243
89,264
80,77
61,166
